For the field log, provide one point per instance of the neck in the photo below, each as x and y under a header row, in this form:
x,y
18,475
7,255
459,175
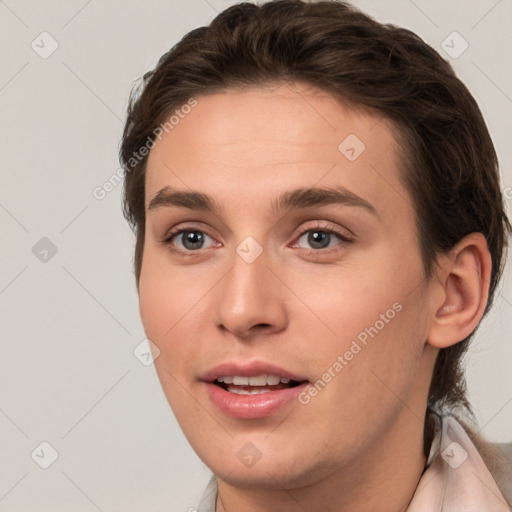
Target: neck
x,y
383,478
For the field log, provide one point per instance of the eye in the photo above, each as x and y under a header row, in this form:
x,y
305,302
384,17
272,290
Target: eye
x,y
321,238
187,240
316,240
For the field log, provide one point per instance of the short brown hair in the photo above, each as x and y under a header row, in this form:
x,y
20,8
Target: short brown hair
x,y
451,168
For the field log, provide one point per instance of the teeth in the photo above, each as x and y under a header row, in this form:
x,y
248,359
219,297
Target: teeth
x,y
258,380
245,391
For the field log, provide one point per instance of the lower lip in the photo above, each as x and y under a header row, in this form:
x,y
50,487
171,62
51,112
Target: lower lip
x,y
253,406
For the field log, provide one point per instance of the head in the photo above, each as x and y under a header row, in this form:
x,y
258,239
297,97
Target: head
x,y
264,103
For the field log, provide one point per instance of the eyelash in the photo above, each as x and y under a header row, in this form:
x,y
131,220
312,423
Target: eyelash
x,y
167,241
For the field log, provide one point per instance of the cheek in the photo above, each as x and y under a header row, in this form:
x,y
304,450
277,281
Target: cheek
x,y
166,294
155,307
341,303
165,311
371,311
172,303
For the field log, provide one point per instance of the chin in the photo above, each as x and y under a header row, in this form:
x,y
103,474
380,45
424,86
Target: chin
x,y
261,476
277,470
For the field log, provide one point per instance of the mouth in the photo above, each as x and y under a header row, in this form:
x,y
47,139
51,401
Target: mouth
x,y
256,385
252,390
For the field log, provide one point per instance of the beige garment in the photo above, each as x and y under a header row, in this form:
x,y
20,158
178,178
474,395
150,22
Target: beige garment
x,y
456,478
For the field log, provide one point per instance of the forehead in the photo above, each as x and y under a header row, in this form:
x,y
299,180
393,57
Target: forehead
x,y
247,143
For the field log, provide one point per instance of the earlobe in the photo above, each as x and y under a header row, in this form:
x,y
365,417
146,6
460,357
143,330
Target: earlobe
x,y
462,289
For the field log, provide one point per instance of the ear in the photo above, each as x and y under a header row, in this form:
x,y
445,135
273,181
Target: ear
x,y
460,291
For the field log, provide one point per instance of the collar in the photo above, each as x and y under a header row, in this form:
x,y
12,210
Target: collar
x,y
456,478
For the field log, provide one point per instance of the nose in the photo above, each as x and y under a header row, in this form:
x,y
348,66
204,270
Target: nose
x,y
250,300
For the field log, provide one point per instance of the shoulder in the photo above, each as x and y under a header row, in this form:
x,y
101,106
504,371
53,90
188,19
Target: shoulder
x,y
498,459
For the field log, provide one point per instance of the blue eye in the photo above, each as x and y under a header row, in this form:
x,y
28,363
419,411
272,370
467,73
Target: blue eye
x,y
191,239
321,238
316,241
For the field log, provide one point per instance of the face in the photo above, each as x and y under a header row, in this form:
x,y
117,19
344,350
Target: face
x,y
282,283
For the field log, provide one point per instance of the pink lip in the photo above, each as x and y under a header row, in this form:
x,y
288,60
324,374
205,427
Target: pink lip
x,y
251,406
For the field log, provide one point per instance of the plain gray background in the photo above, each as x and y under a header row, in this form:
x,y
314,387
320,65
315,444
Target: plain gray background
x,y
70,322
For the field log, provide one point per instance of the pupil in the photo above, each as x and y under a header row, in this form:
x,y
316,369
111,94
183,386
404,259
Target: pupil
x,y
319,239
193,239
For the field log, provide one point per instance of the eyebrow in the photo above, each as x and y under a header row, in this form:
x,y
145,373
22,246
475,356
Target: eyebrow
x,y
298,198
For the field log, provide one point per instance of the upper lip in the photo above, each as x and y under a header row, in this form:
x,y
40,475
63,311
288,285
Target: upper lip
x,y
249,369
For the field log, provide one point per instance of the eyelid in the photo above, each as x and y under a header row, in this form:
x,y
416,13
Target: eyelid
x,y
319,226
184,226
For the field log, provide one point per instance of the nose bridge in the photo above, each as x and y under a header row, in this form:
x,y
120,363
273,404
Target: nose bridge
x,y
246,283
250,294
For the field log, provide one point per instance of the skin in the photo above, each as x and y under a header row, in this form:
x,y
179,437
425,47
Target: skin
x,y
357,445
